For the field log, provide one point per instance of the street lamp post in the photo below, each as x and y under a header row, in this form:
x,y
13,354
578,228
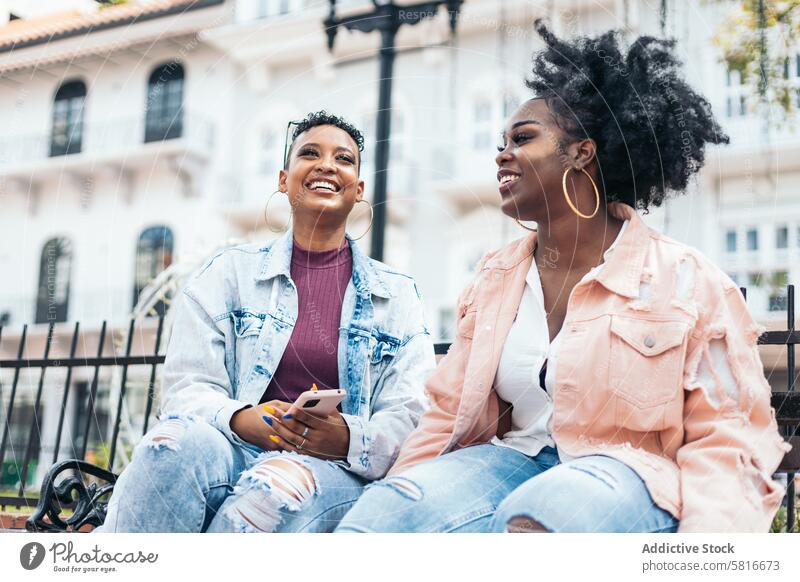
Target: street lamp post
x,y
387,18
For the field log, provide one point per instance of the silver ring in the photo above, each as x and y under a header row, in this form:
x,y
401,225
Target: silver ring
x,y
300,446
305,432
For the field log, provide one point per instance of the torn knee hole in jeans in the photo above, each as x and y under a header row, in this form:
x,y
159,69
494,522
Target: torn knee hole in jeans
x,y
167,433
272,486
524,524
405,487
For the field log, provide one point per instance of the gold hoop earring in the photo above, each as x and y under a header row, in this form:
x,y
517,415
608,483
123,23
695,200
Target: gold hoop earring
x,y
566,194
525,227
266,220
371,218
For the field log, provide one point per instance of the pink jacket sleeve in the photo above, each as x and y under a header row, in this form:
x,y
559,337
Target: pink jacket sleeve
x,y
731,443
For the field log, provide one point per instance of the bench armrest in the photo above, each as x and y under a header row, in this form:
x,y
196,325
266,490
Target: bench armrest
x,y
89,508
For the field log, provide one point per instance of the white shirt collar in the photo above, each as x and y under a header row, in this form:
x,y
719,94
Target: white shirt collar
x,y
532,278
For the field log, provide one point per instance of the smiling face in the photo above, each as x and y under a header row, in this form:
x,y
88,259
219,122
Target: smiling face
x,y
531,162
322,175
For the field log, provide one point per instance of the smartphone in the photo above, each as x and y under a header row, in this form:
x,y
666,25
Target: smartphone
x,y
319,402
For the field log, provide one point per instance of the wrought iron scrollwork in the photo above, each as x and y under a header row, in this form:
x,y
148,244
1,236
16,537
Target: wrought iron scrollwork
x,y
89,507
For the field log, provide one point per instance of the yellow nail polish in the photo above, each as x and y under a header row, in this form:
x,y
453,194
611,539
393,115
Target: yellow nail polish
x,y
268,408
274,439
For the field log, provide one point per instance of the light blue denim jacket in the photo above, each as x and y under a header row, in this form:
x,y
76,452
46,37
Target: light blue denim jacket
x,y
233,321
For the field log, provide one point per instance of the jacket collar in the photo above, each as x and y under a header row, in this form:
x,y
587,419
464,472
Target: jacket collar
x,y
367,280
623,270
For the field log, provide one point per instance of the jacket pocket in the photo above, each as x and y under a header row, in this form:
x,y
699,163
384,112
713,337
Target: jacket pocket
x,y
247,327
646,369
382,346
247,323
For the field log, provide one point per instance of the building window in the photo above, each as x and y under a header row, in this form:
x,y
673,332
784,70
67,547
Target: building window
x,y
164,117
447,323
269,157
489,116
396,152
778,302
752,239
482,132
90,419
791,72
730,241
782,237
66,135
52,300
736,102
510,104
153,255
397,139
778,284
274,7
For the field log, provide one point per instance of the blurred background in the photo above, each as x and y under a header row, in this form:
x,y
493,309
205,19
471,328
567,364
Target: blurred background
x,y
136,137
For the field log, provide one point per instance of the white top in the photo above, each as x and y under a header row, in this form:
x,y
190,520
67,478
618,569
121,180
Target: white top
x,y
526,348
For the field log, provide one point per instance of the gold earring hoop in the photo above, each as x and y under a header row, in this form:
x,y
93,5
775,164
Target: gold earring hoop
x,y
266,219
525,227
371,218
566,194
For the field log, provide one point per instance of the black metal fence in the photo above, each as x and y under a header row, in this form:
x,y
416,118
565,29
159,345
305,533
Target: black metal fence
x,y
95,362
787,404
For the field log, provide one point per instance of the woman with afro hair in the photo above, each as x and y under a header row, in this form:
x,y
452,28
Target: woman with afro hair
x,y
604,377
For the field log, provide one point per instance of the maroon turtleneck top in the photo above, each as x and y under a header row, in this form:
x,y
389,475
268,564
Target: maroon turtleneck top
x,y
310,357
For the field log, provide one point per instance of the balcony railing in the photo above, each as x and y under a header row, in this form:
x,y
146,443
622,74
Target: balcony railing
x,y
121,136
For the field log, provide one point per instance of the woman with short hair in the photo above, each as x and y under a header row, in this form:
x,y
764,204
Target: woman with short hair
x,y
257,326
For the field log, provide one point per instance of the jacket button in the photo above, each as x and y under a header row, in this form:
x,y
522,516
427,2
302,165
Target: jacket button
x,y
649,341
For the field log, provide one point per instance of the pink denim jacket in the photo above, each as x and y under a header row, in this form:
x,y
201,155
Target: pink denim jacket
x,y
658,368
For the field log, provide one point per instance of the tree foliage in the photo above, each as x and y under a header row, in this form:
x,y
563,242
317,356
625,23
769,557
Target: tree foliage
x,y
759,39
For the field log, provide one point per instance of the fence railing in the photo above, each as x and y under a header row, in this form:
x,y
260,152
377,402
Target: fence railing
x,y
149,357
95,362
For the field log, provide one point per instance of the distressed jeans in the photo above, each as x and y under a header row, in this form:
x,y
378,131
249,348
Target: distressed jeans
x,y
484,487
186,476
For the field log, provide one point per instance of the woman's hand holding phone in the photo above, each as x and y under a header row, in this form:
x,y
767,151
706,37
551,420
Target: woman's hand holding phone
x,y
250,426
324,437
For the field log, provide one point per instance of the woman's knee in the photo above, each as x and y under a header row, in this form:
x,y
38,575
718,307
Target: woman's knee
x,y
191,439
274,486
388,505
590,494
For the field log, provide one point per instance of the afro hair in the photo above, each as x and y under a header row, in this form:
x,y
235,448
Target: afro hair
x,y
649,125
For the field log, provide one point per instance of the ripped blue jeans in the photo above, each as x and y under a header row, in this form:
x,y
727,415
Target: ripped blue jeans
x,y
485,488
186,476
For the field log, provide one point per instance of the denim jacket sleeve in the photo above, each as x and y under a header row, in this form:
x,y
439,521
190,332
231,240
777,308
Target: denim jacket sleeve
x,y
398,400
196,381
729,424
